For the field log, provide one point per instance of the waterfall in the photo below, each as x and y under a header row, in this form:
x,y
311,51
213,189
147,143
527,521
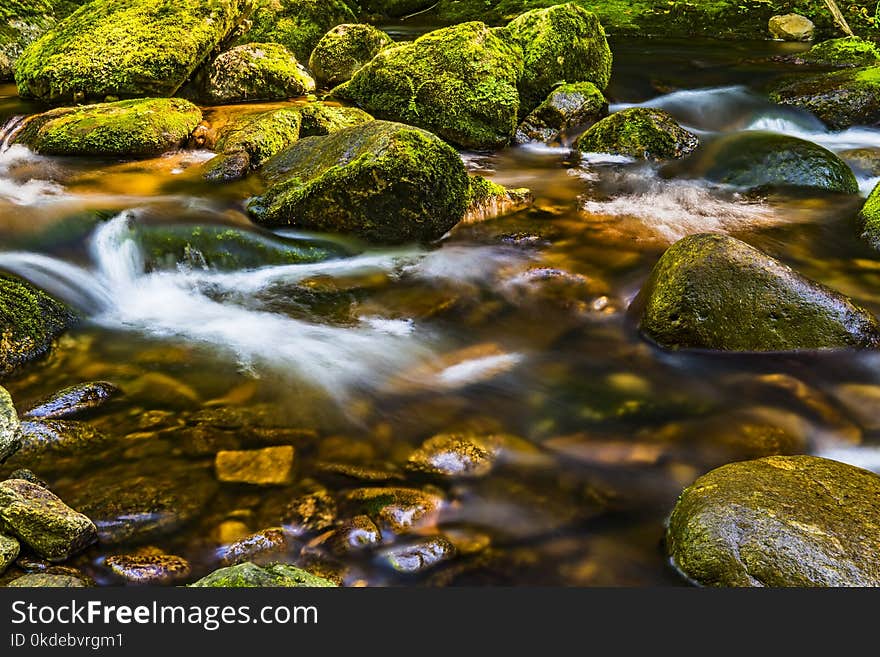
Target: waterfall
x,y
10,130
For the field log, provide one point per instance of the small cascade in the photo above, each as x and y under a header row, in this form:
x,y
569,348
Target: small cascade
x,y
9,131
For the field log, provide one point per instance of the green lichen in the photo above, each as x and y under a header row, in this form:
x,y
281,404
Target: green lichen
x,y
841,99
129,127
261,135
344,50
320,119
870,216
255,71
249,575
296,24
459,82
125,48
846,52
638,132
385,182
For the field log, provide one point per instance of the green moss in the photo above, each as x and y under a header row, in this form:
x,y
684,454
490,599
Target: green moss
x,y
255,71
249,575
458,82
849,51
481,191
320,119
128,127
716,292
870,216
564,43
489,200
383,181
840,99
261,135
344,50
568,108
638,132
296,24
23,22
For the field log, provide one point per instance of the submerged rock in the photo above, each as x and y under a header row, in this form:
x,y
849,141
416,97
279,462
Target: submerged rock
x,y
841,99
344,50
30,320
9,549
641,133
73,400
255,71
249,575
10,427
419,556
568,108
46,440
382,181
455,455
42,521
759,160
459,82
321,119
779,521
272,466
151,567
125,48
844,53
716,292
135,128
399,510
791,27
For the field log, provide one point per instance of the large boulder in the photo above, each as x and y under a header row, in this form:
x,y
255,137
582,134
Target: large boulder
x,y
385,182
641,133
30,320
779,521
715,292
125,48
562,43
459,82
255,71
10,427
847,52
841,99
344,50
137,128
757,160
568,108
296,24
258,136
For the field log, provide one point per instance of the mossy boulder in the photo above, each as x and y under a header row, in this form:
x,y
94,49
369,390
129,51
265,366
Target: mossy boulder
x,y
136,128
250,575
843,53
24,21
841,99
459,82
779,521
321,119
641,133
125,48
30,320
227,167
760,160
568,108
489,200
258,136
564,43
344,50
296,24
10,427
255,71
382,181
715,292
870,216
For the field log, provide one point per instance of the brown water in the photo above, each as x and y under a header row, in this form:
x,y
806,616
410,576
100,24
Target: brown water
x,y
515,326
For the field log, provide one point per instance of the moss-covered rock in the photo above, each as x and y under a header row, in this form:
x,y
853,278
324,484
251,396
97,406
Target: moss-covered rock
x,y
398,510
227,167
418,556
564,43
125,48
9,549
489,200
639,132
137,128
321,119
459,82
262,135
455,455
255,71
568,108
716,292
847,52
72,400
10,427
841,99
758,160
344,50
148,567
249,575
383,181
42,521
779,521
296,24
24,21
30,320
870,216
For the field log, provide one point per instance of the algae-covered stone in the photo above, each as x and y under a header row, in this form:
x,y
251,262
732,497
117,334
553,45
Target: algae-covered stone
x,y
138,128
568,108
9,549
399,510
311,513
756,159
255,71
489,200
841,99
639,132
73,400
791,27
454,455
344,50
10,427
249,575
779,521
30,320
125,48
42,521
716,292
148,567
418,556
259,544
272,466
296,24
49,580
385,182
321,119
459,82
846,52
564,43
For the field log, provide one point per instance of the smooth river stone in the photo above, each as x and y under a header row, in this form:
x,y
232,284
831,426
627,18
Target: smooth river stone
x,y
9,426
148,568
272,466
72,400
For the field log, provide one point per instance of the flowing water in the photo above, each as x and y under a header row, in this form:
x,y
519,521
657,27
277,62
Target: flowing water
x,y
516,326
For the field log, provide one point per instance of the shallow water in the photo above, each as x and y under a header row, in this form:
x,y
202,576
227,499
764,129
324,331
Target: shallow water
x,y
515,326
